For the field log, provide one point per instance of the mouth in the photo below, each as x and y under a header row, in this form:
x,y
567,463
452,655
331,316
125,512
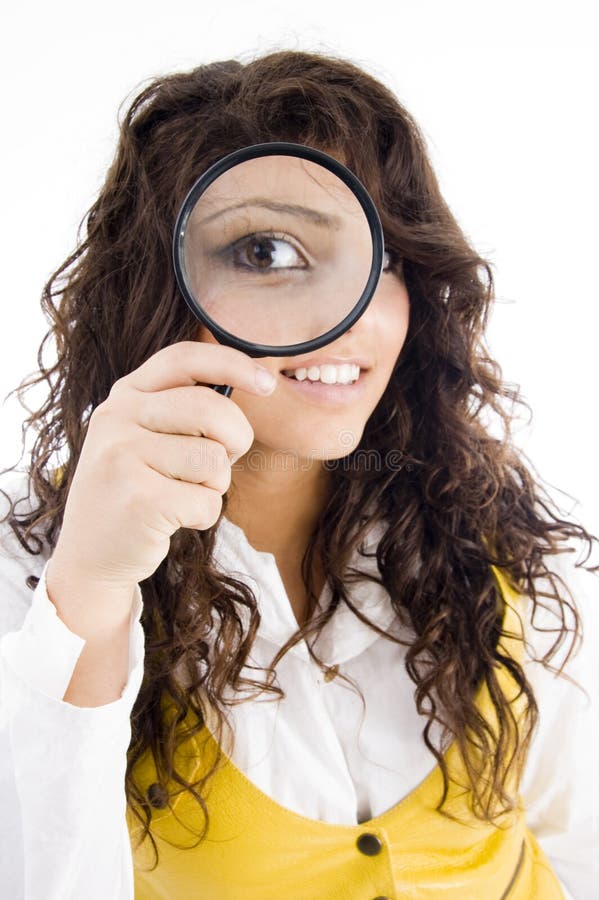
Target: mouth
x,y
292,377
321,392
337,374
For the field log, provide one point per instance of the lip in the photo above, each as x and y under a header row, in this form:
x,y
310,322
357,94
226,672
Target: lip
x,y
329,361
328,394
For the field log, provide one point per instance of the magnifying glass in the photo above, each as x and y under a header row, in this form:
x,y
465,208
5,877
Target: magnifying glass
x,y
278,250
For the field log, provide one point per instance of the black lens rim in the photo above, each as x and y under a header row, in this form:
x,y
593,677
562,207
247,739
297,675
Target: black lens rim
x,y
279,148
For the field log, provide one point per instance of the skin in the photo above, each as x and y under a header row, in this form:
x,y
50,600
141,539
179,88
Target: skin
x,y
277,498
279,487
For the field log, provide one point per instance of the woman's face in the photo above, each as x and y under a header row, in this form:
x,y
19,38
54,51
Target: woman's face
x,y
322,249
308,426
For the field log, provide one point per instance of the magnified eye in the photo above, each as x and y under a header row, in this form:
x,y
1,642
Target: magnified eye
x,y
265,252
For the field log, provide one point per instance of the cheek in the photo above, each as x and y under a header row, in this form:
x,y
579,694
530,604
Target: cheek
x,y
391,307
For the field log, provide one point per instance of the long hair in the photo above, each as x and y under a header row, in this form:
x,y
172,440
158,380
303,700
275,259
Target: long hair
x,y
461,500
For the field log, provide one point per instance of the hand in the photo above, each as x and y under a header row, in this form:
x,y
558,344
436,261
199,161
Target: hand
x,y
157,457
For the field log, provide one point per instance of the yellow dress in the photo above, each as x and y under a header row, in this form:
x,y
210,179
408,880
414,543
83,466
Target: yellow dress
x,y
257,849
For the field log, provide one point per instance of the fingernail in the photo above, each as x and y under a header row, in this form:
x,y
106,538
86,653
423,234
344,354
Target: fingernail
x,y
265,380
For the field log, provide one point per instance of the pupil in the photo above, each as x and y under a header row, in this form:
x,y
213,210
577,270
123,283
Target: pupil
x,y
261,253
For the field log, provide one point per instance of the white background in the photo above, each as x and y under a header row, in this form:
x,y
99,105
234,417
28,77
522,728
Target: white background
x,y
506,95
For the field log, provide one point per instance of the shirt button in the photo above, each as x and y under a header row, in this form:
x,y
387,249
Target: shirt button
x,y
382,898
369,844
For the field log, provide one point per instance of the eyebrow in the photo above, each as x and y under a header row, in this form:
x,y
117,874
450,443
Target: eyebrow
x,y
290,209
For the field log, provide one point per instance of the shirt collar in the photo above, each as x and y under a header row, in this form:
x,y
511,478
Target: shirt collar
x,y
344,636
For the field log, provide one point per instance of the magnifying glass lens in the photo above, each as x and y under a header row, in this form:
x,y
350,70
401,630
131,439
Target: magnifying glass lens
x,y
277,250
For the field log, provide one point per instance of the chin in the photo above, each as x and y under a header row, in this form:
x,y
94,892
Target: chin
x,y
332,446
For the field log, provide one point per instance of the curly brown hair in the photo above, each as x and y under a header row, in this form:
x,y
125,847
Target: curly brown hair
x,y
462,500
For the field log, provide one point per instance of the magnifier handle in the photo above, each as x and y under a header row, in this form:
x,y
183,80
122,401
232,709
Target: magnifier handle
x,y
225,389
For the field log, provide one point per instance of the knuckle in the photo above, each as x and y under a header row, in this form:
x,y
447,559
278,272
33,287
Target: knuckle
x,y
118,387
164,360
219,469
213,506
220,457
132,497
185,351
209,505
117,460
146,412
223,480
249,437
135,501
116,454
100,413
170,350
245,438
186,346
244,433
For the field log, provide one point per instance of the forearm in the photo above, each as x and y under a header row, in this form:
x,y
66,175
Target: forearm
x,y
64,764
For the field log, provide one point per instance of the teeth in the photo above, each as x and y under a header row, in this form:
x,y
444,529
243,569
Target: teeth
x,y
327,374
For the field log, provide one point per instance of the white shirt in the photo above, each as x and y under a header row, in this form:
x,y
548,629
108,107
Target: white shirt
x,y
63,830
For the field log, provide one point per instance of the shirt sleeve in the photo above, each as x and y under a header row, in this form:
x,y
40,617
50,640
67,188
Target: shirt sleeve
x,y
559,786
63,830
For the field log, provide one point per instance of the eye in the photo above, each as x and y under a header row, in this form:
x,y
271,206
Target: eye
x,y
267,252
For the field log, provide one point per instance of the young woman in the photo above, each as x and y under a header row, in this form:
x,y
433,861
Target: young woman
x,y
241,659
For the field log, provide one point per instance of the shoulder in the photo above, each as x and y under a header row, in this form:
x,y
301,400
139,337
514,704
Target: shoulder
x,y
16,563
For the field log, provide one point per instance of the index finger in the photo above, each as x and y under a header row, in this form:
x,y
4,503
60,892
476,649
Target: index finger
x,y
198,362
